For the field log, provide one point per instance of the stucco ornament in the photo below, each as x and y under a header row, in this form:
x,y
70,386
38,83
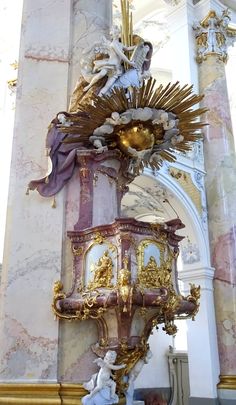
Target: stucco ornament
x,y
110,66
214,35
101,386
116,105
106,59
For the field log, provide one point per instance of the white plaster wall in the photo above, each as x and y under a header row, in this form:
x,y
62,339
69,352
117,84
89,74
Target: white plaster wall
x,y
155,373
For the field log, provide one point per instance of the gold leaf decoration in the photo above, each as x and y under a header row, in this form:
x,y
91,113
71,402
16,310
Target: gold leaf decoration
x,y
171,99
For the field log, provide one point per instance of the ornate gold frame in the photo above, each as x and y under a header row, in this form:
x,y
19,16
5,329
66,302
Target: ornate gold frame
x,y
140,251
165,267
98,239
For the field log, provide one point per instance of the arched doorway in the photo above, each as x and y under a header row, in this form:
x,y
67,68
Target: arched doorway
x,y
176,191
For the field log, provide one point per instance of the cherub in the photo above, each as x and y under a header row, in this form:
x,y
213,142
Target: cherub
x,y
98,142
104,375
111,66
62,120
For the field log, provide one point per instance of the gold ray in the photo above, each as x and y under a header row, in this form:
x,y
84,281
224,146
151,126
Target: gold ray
x,y
179,96
147,93
171,98
155,96
127,27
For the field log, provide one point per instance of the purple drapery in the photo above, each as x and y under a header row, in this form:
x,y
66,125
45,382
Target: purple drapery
x,y
63,157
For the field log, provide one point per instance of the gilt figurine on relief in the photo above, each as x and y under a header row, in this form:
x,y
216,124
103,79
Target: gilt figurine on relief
x,y
101,386
102,272
124,285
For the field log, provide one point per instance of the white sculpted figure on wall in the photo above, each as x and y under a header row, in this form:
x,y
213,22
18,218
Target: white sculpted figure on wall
x,y
111,66
101,386
213,36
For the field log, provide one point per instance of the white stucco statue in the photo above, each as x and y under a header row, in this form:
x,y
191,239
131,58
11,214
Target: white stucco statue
x,y
129,394
98,142
111,66
63,121
101,386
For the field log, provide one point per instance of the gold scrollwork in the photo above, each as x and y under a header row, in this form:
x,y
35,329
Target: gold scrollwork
x,y
98,238
88,310
170,328
77,251
194,297
168,312
128,356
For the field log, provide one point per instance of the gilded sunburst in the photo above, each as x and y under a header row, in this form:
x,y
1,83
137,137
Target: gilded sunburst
x,y
149,125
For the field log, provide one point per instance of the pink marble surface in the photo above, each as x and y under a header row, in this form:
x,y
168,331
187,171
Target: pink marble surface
x,y
82,369
221,196
25,353
225,301
224,257
34,249
75,361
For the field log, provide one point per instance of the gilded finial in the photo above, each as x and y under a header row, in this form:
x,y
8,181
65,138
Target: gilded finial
x,y
54,203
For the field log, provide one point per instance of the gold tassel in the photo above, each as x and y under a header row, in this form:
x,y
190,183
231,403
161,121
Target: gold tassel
x,y
54,204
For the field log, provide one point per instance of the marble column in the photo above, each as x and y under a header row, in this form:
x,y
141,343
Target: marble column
x,y
53,36
212,39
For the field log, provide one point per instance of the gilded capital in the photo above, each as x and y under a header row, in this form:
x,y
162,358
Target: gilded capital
x,y
213,36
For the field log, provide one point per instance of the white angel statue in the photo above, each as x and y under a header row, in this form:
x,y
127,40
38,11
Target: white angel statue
x,y
103,379
111,66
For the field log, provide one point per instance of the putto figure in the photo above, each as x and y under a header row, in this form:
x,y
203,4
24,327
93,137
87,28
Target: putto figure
x,y
102,272
101,386
111,66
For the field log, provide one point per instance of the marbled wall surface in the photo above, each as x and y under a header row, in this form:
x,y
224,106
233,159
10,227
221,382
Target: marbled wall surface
x,y
53,36
33,244
90,21
221,195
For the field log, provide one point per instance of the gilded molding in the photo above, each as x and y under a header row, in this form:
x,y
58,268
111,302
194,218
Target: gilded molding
x,y
213,36
71,393
227,382
185,181
41,394
30,394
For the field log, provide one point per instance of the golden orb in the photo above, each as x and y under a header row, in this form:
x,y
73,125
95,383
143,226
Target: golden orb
x,y
137,137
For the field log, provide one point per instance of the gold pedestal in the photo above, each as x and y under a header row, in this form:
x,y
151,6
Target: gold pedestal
x,y
30,394
227,382
41,394
71,394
